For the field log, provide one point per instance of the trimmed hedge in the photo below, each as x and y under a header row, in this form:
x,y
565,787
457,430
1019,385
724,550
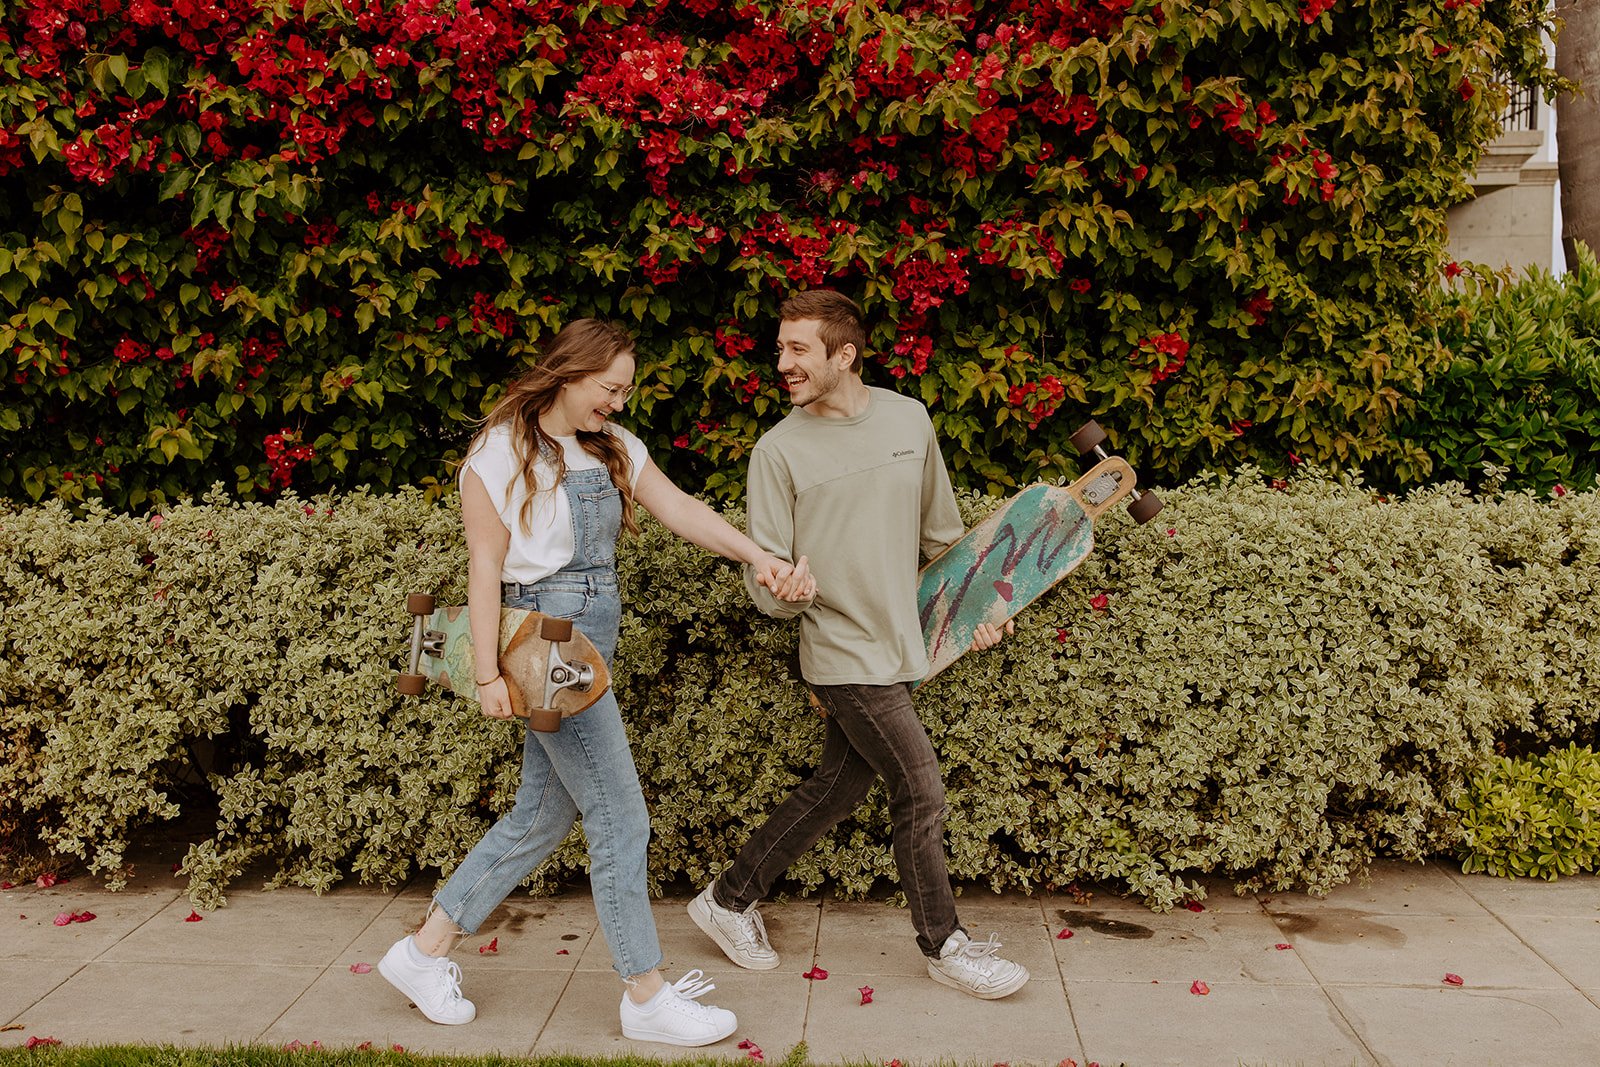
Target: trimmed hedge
x,y
1274,682
301,243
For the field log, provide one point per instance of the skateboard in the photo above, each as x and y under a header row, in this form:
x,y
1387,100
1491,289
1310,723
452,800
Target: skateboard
x,y
551,669
1018,553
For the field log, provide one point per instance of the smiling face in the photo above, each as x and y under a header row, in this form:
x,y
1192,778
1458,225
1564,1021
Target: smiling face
x,y
811,374
585,403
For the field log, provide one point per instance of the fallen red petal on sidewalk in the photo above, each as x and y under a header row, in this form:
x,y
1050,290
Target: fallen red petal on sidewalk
x,y
1280,946
1453,979
1199,988
40,1042
1063,935
866,994
361,968
816,974
1194,905
193,916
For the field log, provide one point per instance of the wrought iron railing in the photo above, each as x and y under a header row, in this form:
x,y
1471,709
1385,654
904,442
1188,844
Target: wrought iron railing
x,y
1522,110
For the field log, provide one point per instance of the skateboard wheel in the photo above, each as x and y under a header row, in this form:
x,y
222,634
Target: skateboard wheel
x,y
411,685
419,604
556,630
1147,507
545,720
1088,437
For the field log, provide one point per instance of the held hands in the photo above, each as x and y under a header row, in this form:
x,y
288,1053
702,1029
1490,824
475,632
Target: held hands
x,y
987,635
792,583
494,699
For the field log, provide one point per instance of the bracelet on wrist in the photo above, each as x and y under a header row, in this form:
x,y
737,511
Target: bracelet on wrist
x,y
491,681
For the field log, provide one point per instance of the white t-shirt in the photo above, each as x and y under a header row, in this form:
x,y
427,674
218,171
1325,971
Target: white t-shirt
x,y
546,544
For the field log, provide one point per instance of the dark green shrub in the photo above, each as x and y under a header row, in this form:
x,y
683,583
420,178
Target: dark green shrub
x,y
1534,816
1522,389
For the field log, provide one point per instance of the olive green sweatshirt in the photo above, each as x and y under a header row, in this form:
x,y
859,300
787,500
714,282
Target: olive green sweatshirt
x,y
864,498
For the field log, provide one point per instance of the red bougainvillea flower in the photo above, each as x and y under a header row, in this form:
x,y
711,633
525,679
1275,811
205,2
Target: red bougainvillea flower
x,y
361,968
1064,934
41,1042
1199,988
6,885
1453,979
1452,269
816,974
67,918
752,1050
193,916
1100,603
1556,490
866,994
1194,906
491,948
46,880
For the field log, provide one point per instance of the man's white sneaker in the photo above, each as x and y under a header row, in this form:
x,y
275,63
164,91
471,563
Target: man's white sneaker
x,y
975,967
433,985
674,1017
740,934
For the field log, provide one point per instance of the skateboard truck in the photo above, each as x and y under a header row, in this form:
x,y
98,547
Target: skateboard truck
x,y
1090,438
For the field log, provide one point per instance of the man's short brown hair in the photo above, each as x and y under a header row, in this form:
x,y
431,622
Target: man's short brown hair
x,y
839,318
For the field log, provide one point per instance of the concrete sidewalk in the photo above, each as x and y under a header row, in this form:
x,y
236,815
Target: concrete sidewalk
x,y
1361,981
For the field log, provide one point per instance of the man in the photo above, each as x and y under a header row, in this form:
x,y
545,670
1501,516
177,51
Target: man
x,y
854,481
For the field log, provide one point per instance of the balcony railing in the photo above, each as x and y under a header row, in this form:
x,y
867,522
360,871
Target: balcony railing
x,y
1522,111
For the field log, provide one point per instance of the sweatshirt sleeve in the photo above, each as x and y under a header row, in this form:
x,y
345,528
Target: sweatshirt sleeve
x,y
770,504
941,519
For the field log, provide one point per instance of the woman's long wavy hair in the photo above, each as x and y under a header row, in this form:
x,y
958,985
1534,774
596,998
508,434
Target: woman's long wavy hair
x,y
584,348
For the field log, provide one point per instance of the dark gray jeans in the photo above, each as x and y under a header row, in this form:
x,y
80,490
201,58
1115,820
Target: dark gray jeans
x,y
873,732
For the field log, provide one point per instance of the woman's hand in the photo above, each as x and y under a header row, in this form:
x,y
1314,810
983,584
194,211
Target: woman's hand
x,y
792,583
495,699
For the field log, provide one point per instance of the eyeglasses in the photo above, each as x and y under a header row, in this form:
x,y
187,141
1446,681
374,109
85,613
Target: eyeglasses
x,y
614,392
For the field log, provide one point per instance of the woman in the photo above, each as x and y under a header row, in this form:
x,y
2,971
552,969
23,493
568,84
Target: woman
x,y
547,486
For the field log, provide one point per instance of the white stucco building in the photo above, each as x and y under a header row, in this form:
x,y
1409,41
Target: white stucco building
x,y
1515,218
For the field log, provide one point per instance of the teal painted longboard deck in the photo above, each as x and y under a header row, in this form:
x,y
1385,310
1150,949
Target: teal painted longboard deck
x,y
1013,557
1000,567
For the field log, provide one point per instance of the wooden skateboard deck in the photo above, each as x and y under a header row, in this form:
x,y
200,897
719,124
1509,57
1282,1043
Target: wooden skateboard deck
x,y
551,669
1014,557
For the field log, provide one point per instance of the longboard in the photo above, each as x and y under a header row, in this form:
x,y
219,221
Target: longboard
x,y
552,670
1020,552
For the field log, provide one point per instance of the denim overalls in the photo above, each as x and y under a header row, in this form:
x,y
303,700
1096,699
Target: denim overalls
x,y
585,768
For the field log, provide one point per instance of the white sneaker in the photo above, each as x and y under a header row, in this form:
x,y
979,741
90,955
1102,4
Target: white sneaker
x,y
674,1017
434,987
740,934
975,967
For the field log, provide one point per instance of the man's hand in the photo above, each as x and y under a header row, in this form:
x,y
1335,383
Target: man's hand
x,y
792,583
987,635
